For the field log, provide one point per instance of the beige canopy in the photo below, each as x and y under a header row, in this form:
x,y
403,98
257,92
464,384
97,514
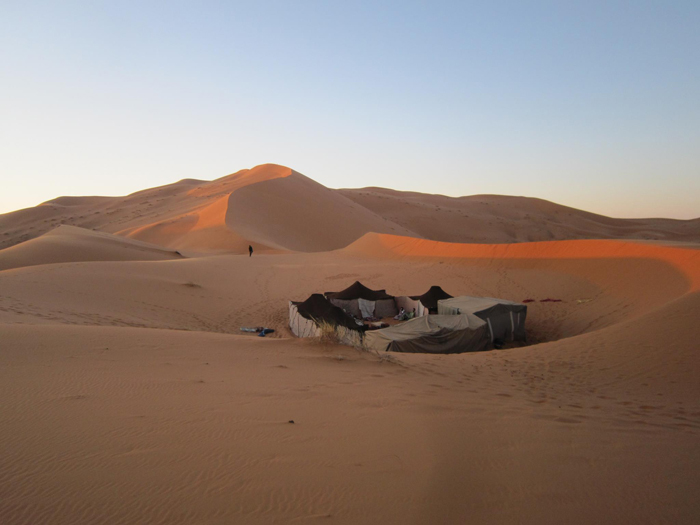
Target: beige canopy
x,y
432,334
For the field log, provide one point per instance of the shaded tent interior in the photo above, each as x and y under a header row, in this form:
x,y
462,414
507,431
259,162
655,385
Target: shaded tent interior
x,y
423,304
361,302
307,317
432,334
505,319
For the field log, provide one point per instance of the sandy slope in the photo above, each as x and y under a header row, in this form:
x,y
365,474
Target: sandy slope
x,y
106,421
72,244
275,208
130,395
126,425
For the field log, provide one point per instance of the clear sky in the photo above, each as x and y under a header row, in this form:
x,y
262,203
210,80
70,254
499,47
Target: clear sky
x,y
591,104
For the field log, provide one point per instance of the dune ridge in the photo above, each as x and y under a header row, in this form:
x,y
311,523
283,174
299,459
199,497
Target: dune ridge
x,y
273,207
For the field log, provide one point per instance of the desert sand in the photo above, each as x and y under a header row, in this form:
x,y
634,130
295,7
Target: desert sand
x,y
131,396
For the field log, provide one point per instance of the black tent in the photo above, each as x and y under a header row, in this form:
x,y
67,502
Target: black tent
x,y
430,298
357,290
506,319
319,309
360,301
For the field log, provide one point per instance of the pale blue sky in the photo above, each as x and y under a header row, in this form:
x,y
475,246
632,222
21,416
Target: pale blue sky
x,y
590,104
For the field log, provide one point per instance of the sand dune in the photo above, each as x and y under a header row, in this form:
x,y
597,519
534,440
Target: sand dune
x,y
506,219
299,214
684,258
72,244
130,394
275,208
145,425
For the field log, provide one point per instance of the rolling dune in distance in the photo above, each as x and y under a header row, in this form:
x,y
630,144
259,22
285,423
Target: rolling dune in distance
x,y
73,244
130,395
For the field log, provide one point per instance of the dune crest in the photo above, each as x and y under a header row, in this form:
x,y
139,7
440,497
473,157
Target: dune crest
x,y
683,258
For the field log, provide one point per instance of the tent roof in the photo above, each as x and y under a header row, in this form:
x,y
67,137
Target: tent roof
x,y
357,290
317,308
428,324
431,334
432,296
467,304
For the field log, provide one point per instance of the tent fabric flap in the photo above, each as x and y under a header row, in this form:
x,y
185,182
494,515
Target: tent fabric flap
x,y
432,334
366,307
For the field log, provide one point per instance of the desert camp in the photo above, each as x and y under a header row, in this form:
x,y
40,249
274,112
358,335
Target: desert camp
x,y
434,322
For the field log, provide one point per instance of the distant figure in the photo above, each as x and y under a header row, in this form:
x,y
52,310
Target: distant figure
x,y
250,251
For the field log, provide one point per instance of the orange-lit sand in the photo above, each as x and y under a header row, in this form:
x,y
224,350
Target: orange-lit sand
x,y
131,396
686,259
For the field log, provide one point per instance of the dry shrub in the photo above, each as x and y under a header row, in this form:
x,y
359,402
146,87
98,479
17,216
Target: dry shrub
x,y
328,333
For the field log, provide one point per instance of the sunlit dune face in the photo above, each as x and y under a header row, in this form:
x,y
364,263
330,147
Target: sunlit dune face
x,y
213,215
173,227
685,260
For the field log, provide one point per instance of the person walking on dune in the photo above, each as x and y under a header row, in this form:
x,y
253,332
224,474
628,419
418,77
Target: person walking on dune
x,y
250,251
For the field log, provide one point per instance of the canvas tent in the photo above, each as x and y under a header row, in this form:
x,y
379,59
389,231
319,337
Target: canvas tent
x,y
306,317
432,334
505,319
423,304
361,302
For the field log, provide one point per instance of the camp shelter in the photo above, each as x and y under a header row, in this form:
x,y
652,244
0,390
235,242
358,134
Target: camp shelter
x,y
432,334
505,319
307,317
361,302
423,304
